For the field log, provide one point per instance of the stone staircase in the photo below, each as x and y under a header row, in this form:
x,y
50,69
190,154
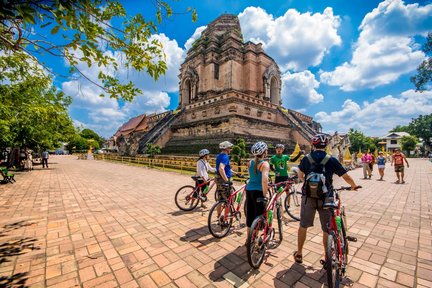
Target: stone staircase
x,y
304,129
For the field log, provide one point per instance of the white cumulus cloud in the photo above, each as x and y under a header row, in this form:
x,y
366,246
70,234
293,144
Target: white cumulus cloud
x,y
379,116
295,40
299,89
385,49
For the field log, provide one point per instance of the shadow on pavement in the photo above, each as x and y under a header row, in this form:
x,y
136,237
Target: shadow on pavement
x,y
196,235
233,268
12,248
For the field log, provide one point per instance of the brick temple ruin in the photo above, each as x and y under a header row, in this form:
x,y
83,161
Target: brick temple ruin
x,y
229,89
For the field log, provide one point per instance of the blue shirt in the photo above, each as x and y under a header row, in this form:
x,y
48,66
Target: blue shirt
x,y
224,159
255,179
381,160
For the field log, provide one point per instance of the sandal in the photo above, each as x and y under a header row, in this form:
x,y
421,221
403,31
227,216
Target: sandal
x,y
298,258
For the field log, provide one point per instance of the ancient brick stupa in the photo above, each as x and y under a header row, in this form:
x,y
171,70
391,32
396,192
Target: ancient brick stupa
x,y
229,89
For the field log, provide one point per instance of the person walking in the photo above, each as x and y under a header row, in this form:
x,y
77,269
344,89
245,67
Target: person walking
x,y
45,157
257,186
325,166
398,160
381,160
366,160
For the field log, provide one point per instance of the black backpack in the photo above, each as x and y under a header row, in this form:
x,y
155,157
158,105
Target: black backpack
x,y
314,186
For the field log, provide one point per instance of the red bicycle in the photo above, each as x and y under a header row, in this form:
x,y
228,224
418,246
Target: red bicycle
x,y
188,196
223,212
262,233
337,244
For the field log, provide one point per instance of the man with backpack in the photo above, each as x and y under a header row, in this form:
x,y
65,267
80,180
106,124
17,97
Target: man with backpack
x,y
317,169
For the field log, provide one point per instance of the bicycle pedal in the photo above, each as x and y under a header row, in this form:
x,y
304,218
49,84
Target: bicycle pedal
x,y
351,239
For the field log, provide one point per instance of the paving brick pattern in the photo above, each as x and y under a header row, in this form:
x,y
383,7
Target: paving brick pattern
x,y
99,224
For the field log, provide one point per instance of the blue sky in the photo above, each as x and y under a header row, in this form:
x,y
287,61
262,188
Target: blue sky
x,y
346,63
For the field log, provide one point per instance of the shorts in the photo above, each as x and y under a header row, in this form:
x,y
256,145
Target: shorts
x,y
281,179
399,168
307,213
254,209
222,190
381,166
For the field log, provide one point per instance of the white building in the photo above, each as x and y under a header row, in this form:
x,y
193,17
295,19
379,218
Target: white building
x,y
393,140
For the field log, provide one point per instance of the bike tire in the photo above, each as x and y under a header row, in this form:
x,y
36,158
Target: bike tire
x,y
332,266
292,205
221,223
345,249
182,195
279,221
256,254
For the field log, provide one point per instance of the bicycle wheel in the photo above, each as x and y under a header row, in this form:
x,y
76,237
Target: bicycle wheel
x,y
292,204
255,246
344,240
185,199
333,264
218,225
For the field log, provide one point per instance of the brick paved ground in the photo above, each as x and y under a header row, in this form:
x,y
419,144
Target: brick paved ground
x,y
93,223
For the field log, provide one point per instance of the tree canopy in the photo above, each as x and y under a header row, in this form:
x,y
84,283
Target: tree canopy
x,y
409,143
361,142
424,71
82,31
421,127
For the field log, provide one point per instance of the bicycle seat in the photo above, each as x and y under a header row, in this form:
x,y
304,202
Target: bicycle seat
x,y
228,184
262,200
196,178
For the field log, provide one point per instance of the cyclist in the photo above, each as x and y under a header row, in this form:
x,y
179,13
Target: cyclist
x,y
309,205
278,163
223,169
202,168
257,186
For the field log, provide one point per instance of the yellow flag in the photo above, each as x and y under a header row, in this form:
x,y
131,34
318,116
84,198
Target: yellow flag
x,y
295,153
376,153
347,155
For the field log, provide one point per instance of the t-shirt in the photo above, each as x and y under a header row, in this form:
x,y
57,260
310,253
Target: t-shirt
x,y
280,164
398,159
381,160
367,158
45,155
333,166
224,159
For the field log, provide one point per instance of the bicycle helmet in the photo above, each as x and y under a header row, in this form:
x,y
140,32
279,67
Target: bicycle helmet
x,y
320,140
203,152
225,145
259,148
280,146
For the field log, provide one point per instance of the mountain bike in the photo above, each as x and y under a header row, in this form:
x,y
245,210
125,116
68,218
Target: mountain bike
x,y
224,211
337,244
262,234
292,201
188,196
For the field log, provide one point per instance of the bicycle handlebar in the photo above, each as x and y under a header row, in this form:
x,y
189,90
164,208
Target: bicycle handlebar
x,y
347,188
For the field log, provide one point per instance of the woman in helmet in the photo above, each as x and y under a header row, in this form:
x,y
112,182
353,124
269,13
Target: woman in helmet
x,y
257,186
202,169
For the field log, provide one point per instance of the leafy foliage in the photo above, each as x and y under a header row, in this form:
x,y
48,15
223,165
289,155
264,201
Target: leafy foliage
x,y
238,151
400,128
34,114
153,149
424,71
91,135
408,143
82,31
421,127
361,142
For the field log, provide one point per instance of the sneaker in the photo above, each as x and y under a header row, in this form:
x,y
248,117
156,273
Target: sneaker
x,y
403,182
203,198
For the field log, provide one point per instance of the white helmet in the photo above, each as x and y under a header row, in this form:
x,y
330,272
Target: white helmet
x,y
204,152
225,145
259,148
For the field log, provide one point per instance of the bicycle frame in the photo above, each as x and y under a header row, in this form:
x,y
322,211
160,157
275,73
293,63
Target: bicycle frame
x,y
332,227
231,200
211,182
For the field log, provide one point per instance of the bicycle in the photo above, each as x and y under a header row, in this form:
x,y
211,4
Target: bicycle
x,y
292,201
337,243
261,231
188,196
225,210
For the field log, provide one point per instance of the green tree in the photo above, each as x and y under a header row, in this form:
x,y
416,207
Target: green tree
x,y
239,152
90,134
82,31
78,143
400,128
422,128
34,114
408,143
361,142
152,150
424,71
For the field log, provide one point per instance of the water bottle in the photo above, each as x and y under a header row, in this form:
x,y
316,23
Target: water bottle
x,y
280,190
239,197
206,189
270,216
338,223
